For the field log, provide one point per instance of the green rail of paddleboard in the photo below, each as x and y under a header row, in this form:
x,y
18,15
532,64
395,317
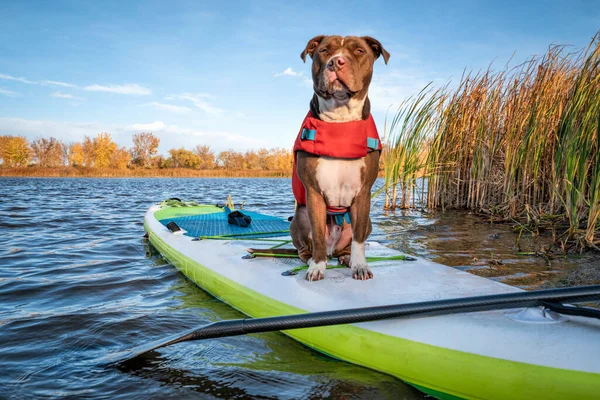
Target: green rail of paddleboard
x,y
438,371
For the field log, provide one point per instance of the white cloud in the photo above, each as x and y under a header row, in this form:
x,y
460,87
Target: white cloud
x,y
149,127
57,83
8,93
65,96
169,107
29,82
129,88
62,95
17,79
289,72
188,96
198,99
204,106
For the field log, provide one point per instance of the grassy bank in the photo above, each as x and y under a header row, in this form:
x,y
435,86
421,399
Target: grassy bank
x,y
82,172
519,144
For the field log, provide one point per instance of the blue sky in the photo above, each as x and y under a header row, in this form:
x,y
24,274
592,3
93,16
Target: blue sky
x,y
228,74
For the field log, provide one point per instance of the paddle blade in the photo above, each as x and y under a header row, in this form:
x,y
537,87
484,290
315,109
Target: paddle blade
x,y
124,357
232,327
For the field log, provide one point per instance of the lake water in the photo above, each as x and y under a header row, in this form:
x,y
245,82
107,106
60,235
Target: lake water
x,y
78,282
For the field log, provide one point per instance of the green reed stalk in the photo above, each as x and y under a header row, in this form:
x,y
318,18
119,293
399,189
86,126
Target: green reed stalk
x,y
405,153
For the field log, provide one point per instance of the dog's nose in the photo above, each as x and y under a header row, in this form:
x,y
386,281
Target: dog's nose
x,y
336,63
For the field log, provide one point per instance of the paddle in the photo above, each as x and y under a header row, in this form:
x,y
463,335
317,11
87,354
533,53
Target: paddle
x,y
437,307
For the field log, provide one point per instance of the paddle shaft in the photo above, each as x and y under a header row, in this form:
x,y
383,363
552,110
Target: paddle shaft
x,y
357,315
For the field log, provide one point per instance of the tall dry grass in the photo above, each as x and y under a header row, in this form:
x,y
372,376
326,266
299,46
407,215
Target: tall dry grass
x,y
521,143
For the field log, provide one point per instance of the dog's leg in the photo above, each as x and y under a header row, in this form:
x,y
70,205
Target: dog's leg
x,y
342,250
361,229
361,221
300,233
317,215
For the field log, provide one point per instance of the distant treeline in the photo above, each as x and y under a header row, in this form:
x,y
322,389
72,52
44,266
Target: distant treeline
x,y
84,172
101,152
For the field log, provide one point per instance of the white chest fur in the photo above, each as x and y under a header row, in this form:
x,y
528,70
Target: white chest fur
x,y
340,180
332,110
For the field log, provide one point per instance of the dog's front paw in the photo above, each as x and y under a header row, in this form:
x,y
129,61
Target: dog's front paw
x,y
361,272
316,270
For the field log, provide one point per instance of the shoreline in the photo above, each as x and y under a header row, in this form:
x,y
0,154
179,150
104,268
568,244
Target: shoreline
x,y
82,172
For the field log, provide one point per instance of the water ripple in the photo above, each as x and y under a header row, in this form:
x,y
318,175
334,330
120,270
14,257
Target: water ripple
x,y
76,285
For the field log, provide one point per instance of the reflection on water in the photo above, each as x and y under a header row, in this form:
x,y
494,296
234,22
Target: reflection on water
x,y
76,285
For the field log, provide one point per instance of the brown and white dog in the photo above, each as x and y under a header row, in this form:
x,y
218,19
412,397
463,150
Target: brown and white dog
x,y
342,69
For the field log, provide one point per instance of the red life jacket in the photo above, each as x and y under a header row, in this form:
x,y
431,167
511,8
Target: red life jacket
x,y
334,139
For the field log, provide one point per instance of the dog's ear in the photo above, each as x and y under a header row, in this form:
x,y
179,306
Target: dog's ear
x,y
377,48
311,46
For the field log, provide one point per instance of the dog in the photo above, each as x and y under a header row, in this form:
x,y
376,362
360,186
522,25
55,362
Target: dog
x,y
336,156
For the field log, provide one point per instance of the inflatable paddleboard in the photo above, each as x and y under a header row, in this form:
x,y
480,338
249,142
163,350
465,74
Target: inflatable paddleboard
x,y
528,353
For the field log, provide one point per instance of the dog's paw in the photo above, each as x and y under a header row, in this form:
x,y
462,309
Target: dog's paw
x,y
344,260
361,272
316,271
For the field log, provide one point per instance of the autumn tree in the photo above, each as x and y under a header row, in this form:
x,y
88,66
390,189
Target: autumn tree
x,y
145,147
275,159
76,155
206,157
88,150
231,159
251,160
182,158
104,147
14,151
47,152
283,158
19,151
266,161
120,158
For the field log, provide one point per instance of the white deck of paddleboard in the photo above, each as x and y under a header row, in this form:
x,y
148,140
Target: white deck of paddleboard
x,y
571,343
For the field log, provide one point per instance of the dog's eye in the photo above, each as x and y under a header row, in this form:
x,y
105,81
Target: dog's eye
x,y
359,51
324,50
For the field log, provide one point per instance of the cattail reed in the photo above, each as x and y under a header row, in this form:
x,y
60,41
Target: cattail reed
x,y
520,143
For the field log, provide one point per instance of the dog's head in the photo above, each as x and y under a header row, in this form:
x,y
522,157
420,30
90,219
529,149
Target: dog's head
x,y
343,66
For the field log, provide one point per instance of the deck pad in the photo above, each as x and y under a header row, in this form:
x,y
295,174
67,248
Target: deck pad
x,y
215,224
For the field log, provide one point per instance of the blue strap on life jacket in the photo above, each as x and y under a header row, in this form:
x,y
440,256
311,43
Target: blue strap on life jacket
x,y
372,143
308,134
340,217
